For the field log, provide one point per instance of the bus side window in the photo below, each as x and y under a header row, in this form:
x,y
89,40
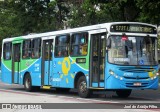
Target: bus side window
x,y
26,50
36,48
7,51
79,44
62,46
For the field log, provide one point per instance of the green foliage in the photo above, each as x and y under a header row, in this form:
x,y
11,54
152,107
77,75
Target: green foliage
x,y
82,15
7,21
96,11
150,12
20,17
33,16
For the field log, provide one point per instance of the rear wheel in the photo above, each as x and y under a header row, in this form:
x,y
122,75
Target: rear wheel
x,y
83,91
124,93
28,83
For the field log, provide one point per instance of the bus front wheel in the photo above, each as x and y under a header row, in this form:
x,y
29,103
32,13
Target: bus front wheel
x,y
124,93
82,88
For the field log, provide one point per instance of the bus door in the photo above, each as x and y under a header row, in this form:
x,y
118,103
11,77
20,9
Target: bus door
x,y
47,61
97,60
16,62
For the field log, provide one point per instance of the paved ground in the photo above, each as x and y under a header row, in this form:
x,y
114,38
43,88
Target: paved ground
x,y
16,94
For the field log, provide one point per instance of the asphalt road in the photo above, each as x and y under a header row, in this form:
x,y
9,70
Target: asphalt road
x,y
108,99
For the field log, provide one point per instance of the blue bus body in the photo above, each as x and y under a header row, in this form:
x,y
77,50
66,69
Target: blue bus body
x,y
74,71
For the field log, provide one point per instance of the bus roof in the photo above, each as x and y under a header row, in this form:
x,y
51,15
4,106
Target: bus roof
x,y
73,30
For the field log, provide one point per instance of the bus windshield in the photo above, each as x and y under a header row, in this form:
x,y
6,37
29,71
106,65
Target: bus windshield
x,y
132,50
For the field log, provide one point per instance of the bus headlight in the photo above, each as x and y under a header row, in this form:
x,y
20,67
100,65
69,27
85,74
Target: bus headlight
x,y
111,72
121,78
115,75
155,77
157,73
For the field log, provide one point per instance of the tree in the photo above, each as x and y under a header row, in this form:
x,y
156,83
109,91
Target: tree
x,y
82,14
150,12
98,11
7,22
20,17
33,16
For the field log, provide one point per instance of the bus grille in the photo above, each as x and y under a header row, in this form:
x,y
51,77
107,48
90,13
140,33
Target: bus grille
x,y
137,70
136,77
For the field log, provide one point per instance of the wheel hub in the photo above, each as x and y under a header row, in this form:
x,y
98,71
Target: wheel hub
x,y
27,83
83,87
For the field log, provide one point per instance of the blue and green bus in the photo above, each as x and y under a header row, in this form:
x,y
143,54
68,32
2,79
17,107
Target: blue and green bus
x,y
117,56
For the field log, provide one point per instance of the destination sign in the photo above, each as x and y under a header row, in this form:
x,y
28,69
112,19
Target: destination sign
x,y
135,28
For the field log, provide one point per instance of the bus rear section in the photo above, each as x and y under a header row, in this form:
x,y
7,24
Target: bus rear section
x,y
19,59
6,63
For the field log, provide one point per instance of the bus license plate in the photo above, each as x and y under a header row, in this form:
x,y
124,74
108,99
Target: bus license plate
x,y
137,84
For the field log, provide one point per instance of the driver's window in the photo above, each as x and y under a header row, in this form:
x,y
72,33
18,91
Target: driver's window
x,y
117,48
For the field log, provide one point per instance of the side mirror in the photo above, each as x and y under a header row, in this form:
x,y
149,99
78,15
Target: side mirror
x,y
109,42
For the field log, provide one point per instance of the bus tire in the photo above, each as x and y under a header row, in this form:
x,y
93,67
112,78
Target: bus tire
x,y
82,88
28,83
124,93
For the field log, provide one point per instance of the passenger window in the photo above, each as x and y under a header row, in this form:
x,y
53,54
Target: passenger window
x,y
7,51
79,44
36,48
26,50
62,46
